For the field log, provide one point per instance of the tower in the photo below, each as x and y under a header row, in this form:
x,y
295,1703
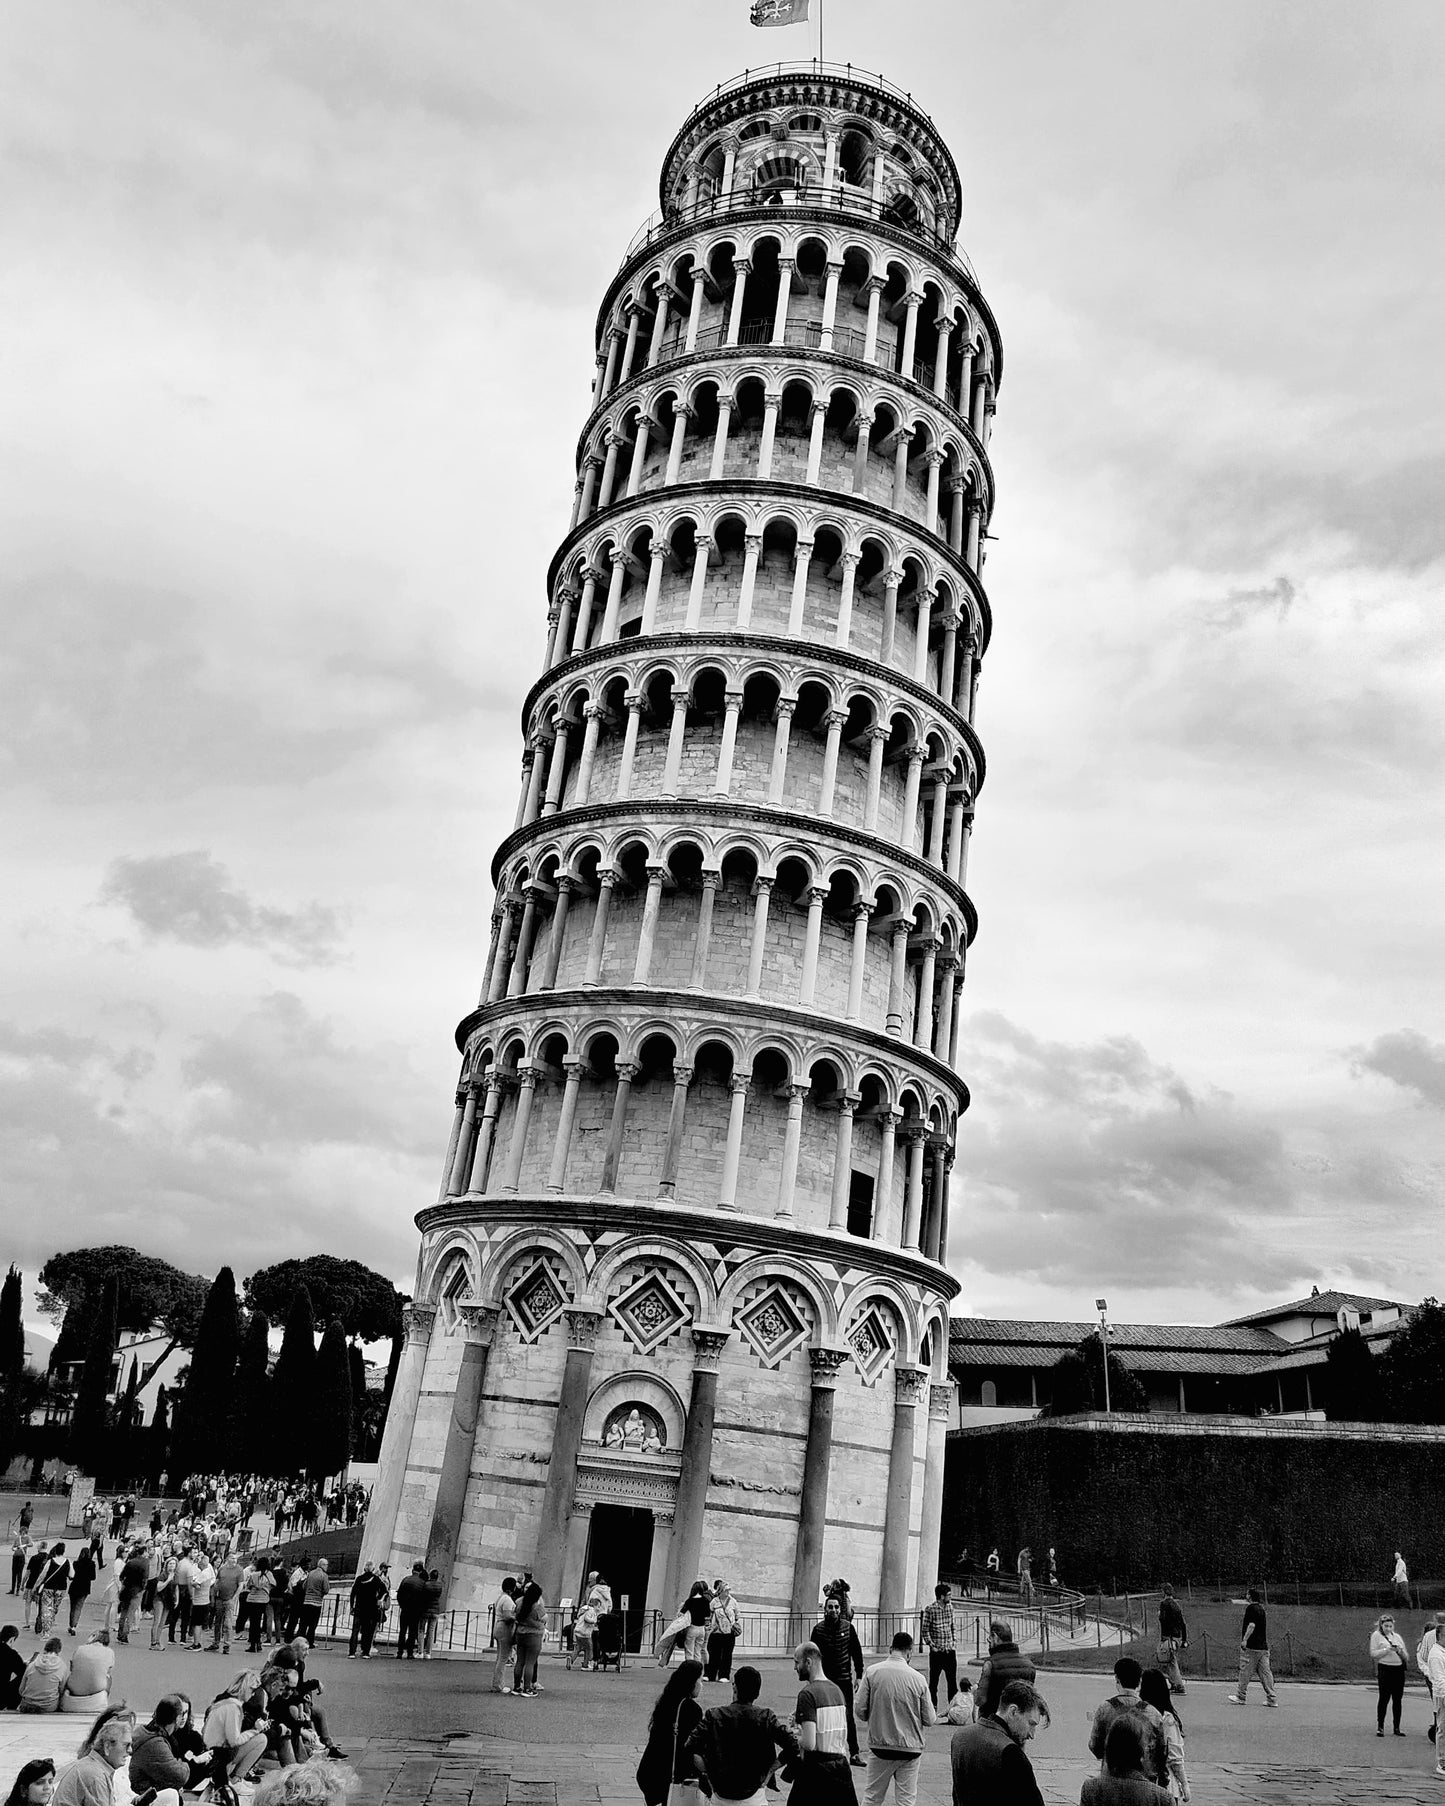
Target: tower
x,y
681,1307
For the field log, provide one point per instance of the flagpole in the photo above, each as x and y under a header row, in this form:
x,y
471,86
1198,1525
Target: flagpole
x,y
820,37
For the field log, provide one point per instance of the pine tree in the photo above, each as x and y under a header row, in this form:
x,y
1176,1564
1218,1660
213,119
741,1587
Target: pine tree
x,y
251,1436
201,1441
291,1405
12,1328
329,1445
88,1423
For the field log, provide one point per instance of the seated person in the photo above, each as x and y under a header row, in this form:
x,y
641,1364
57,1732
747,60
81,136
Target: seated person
x,y
235,1740
90,1779
12,1666
45,1674
87,1688
294,1654
153,1760
1124,1782
34,1785
313,1784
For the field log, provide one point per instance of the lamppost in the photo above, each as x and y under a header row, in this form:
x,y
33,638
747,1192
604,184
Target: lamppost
x,y
1101,1305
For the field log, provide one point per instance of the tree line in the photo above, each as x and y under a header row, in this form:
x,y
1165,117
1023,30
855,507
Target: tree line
x,y
233,1410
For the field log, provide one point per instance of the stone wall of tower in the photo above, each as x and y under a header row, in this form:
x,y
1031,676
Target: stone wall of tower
x,y
689,1251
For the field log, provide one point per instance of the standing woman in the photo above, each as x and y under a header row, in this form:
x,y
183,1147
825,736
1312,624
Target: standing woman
x,y
674,1718
504,1623
1154,1691
722,1633
1387,1652
54,1579
530,1628
82,1579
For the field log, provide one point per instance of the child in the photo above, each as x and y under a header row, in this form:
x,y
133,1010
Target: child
x,y
582,1633
963,1707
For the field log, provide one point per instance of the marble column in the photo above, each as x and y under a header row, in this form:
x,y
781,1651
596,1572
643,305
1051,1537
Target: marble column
x,y
792,1146
817,1461
380,1527
486,1133
676,1123
692,1480
556,1512
703,941
910,1384
940,1404
562,1146
478,1323
517,1147
627,1071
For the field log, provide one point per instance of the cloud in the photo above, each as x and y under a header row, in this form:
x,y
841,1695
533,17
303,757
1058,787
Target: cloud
x,y
282,1078
1408,1060
189,897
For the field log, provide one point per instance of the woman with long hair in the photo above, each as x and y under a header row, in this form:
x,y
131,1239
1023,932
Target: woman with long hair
x,y
34,1785
527,1635
235,1746
674,1718
1154,1691
119,1710
53,1579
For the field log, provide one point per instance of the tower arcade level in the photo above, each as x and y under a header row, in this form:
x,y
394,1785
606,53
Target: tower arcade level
x,y
681,1306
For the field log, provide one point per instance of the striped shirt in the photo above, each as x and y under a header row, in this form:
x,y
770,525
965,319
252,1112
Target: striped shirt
x,y
938,1625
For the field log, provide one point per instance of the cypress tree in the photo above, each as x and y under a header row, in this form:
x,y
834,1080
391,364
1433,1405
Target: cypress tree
x,y
88,1422
292,1391
201,1441
12,1328
358,1392
329,1445
251,1439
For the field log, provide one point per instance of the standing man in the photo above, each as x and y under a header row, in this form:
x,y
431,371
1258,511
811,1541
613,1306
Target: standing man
x,y
368,1597
842,1655
987,1758
410,1604
736,1747
825,1778
315,1587
894,1701
19,1555
938,1641
1004,1664
1173,1636
1254,1653
225,1598
1400,1579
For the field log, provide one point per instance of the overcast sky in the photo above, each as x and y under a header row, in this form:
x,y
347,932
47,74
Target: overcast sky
x,y
296,311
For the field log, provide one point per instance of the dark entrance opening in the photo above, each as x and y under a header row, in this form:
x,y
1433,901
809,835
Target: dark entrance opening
x,y
619,1547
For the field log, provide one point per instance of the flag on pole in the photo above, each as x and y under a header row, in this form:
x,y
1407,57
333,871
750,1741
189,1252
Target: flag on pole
x,y
779,12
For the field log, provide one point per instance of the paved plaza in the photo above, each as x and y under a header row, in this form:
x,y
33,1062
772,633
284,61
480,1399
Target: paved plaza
x,y
429,1734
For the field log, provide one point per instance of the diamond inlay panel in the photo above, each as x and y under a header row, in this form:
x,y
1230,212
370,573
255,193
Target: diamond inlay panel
x,y
772,1326
535,1302
648,1312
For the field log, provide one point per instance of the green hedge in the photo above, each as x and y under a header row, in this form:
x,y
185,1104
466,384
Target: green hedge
x,y
1118,1505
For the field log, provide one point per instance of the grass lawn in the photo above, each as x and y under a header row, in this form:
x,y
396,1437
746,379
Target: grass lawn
x,y
1307,1642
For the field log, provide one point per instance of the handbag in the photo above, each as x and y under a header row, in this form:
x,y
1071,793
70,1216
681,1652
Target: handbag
x,y
681,1793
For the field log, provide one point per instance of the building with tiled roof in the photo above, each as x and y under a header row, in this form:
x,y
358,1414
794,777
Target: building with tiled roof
x,y
1263,1364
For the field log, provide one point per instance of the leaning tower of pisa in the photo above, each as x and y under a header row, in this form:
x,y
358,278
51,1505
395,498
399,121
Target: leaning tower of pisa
x,y
682,1303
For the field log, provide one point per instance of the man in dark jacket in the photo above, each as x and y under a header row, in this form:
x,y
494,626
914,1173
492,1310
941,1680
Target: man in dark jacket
x,y
988,1760
132,1584
368,1602
410,1604
1173,1635
736,1746
1004,1664
842,1655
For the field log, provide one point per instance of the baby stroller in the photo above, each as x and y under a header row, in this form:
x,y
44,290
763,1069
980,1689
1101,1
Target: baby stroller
x,y
607,1641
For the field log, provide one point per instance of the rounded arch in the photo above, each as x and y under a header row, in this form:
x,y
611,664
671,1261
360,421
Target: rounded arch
x,y
665,1250
505,1257
782,1266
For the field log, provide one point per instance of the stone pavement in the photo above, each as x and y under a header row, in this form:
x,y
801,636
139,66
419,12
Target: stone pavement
x,y
430,1735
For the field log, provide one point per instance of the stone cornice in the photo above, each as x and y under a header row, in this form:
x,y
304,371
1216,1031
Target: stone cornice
x,y
734,488
721,810
815,652
596,1213
809,353
712,1006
